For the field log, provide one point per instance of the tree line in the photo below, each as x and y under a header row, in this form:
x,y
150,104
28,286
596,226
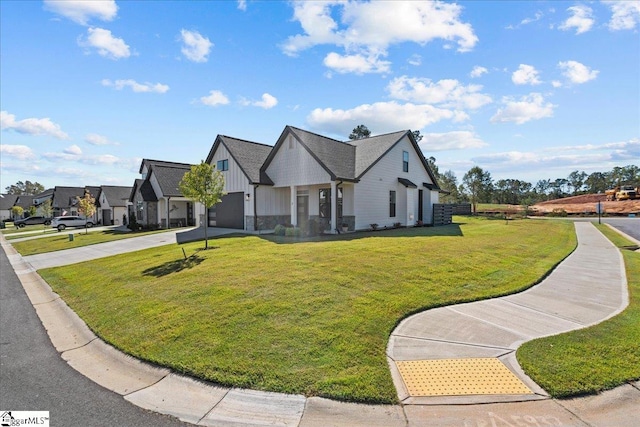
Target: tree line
x,y
477,185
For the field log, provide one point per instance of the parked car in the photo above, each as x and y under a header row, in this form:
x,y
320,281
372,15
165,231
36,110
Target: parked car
x,y
62,222
32,220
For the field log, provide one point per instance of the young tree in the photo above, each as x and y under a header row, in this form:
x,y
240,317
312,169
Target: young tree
x,y
203,184
449,183
47,209
32,210
360,132
86,206
576,180
17,211
478,184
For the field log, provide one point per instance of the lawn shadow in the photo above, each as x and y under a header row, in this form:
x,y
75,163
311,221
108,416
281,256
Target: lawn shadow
x,y
452,230
173,266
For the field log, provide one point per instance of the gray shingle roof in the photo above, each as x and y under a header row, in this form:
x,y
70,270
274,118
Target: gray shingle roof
x,y
370,150
64,197
7,201
337,158
248,155
116,195
169,178
150,163
145,189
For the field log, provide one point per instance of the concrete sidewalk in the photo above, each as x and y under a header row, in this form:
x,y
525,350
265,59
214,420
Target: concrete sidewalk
x,y
588,287
160,390
101,250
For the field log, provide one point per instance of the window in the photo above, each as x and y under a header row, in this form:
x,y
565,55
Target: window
x,y
392,204
405,161
223,165
325,203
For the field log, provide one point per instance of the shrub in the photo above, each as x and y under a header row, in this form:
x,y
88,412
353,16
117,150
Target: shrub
x,y
558,212
293,232
279,230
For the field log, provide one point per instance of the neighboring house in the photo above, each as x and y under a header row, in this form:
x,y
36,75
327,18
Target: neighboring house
x,y
112,204
7,201
64,200
156,199
383,180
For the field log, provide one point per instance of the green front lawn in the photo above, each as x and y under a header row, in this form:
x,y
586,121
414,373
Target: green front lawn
x,y
593,359
309,317
61,241
11,231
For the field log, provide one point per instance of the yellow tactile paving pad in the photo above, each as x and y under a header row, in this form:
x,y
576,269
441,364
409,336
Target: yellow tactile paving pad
x,y
458,377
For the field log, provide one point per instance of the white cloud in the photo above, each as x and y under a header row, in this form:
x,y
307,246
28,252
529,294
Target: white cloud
x,y
81,11
530,107
135,86
196,47
576,72
73,150
214,98
358,64
380,117
449,93
367,29
478,71
31,126
268,101
456,140
625,15
556,83
581,19
19,152
105,43
538,16
525,74
95,139
242,5
415,60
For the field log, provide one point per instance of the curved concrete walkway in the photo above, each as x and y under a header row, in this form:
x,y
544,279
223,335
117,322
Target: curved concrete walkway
x,y
163,391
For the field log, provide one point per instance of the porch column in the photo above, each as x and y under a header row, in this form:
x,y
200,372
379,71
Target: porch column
x,y
293,190
334,206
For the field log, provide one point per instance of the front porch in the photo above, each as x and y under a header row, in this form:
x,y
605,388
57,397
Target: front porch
x,y
330,205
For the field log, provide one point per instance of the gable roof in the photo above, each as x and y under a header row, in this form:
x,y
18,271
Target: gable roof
x,y
169,177
150,163
116,195
143,186
7,201
64,197
249,156
335,157
370,150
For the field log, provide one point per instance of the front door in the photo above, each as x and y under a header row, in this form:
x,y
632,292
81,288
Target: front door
x,y
303,210
420,202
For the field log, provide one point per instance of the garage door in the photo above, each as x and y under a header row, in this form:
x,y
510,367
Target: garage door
x,y
229,213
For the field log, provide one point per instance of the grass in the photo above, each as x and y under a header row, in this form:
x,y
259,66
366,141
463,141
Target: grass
x,y
13,232
594,359
61,241
310,317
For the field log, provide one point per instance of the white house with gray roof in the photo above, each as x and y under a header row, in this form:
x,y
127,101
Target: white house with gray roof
x,y
383,180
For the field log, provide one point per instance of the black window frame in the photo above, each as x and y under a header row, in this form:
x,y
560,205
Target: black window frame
x,y
223,165
405,161
392,204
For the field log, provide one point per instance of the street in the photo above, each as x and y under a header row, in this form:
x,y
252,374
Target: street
x,y
35,378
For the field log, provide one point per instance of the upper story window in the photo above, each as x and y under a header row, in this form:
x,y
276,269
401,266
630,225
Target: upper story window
x,y
223,165
405,161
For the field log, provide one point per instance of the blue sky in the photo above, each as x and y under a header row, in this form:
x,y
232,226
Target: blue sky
x,y
524,89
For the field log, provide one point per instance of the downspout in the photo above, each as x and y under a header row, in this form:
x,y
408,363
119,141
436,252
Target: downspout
x,y
168,213
255,208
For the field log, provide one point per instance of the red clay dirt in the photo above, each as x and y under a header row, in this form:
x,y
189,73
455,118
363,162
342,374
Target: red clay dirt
x,y
587,203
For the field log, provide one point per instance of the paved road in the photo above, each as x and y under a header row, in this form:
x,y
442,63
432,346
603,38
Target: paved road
x,y
34,377
630,226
